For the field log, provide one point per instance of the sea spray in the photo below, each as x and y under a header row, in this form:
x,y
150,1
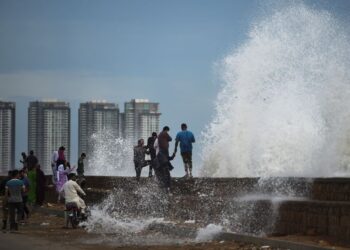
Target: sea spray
x,y
110,155
284,106
283,111
128,210
208,233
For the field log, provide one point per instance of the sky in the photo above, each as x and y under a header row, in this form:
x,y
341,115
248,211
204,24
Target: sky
x,y
161,50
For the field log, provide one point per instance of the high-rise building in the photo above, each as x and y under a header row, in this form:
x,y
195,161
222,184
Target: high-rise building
x,y
141,118
94,117
48,129
7,135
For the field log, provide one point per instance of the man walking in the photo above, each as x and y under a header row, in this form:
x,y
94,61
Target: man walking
x,y
14,189
185,138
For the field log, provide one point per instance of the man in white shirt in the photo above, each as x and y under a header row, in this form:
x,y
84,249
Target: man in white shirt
x,y
70,192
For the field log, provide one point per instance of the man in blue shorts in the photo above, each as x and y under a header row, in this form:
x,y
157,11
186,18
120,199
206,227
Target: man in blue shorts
x,y
185,138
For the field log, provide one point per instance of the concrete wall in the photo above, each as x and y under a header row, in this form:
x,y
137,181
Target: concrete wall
x,y
331,189
325,211
315,218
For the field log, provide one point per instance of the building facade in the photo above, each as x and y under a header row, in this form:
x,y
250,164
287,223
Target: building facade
x,y
95,117
49,128
140,119
7,136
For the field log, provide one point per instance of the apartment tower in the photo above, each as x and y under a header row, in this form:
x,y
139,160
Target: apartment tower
x,y
140,119
7,136
95,117
48,129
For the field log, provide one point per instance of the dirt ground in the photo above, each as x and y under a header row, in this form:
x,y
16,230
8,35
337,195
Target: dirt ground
x,y
43,227
50,228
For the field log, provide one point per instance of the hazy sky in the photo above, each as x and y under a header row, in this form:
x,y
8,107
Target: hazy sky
x,y
118,50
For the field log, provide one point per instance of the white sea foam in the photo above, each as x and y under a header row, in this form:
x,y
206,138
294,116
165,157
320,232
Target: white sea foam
x,y
284,106
208,233
105,223
110,217
110,155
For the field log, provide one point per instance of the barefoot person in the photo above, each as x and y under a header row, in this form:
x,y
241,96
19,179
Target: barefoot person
x,y
185,138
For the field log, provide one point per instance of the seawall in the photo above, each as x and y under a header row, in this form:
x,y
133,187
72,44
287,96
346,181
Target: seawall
x,y
319,206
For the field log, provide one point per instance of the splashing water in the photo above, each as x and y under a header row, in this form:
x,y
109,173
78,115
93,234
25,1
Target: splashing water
x,y
284,106
208,233
110,155
128,210
283,111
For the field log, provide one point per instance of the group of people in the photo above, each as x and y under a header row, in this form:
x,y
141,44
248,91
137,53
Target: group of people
x,y
27,186
22,188
160,160
31,171
66,181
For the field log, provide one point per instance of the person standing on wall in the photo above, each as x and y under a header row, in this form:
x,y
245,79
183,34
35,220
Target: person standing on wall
x,y
61,157
185,138
163,158
24,161
152,151
80,169
32,160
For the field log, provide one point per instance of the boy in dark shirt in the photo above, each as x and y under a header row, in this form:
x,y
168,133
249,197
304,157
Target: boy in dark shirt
x,y
152,151
80,169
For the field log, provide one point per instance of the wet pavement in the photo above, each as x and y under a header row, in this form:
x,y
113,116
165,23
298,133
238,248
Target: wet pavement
x,y
44,230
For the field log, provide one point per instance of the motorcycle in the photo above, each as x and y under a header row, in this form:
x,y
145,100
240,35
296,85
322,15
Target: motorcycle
x,y
73,215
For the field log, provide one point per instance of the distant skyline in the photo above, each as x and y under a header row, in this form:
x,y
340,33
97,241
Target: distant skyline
x,y
164,51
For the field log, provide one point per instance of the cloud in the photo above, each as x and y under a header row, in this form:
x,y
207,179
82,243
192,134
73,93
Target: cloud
x,y
72,85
